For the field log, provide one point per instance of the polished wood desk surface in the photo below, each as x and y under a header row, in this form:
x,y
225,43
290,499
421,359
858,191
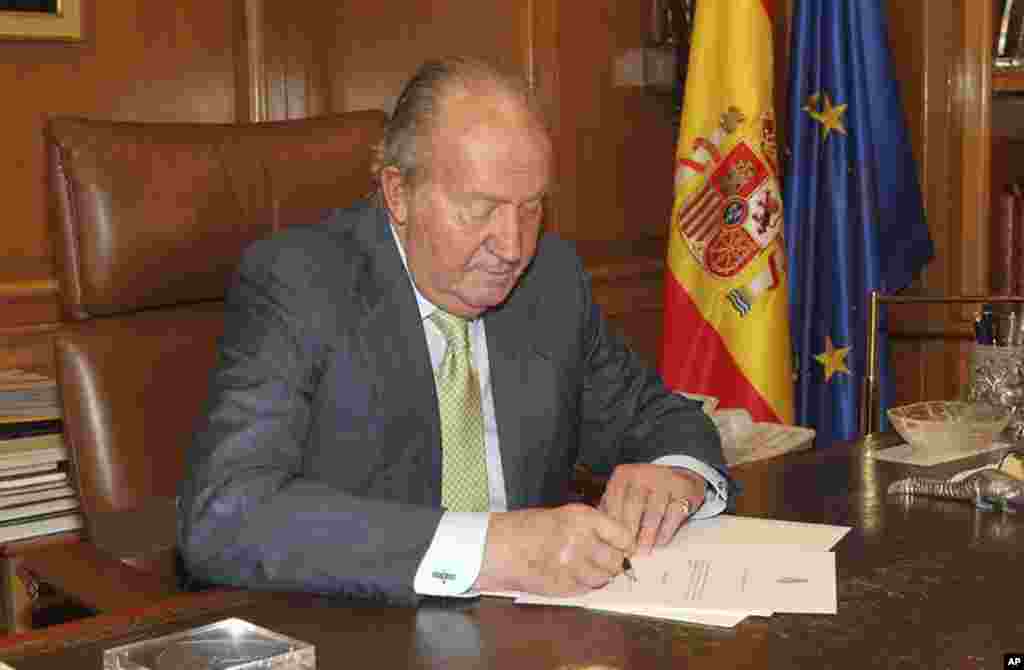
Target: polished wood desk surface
x,y
922,584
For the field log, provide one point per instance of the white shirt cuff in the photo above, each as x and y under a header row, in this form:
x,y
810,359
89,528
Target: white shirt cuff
x,y
452,562
717,491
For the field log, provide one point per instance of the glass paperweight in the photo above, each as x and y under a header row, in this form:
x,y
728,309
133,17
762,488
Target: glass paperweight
x,y
231,644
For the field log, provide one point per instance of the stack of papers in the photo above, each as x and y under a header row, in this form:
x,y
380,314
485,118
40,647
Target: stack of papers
x,y
745,440
721,570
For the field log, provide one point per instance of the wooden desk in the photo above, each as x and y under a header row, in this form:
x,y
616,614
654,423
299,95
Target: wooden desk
x,y
922,584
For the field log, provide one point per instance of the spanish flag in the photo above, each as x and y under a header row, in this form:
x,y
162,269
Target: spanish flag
x,y
726,309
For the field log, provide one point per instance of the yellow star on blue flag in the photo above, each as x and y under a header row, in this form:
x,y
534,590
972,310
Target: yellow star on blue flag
x,y
833,359
830,117
851,192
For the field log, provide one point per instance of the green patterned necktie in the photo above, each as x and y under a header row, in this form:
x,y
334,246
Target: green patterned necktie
x,y
464,464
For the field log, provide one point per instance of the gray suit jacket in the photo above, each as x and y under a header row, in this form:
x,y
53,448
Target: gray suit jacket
x,y
318,465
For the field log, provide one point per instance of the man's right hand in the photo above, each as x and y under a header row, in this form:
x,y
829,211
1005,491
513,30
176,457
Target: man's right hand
x,y
559,552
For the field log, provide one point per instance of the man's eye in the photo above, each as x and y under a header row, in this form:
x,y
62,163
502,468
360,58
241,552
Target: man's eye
x,y
533,208
481,211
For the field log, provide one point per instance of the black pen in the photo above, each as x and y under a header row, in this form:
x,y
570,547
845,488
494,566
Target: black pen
x,y
627,569
987,325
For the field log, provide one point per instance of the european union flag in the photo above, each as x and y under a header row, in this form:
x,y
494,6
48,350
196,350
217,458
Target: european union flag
x,y
854,219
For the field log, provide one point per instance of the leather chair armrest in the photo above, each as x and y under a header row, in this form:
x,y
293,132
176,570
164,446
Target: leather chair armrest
x,y
95,578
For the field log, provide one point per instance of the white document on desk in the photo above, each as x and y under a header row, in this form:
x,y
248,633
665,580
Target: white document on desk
x,y
706,617
738,579
720,619
734,578
727,529
729,541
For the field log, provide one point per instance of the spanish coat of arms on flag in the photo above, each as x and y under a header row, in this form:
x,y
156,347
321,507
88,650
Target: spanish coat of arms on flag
x,y
726,309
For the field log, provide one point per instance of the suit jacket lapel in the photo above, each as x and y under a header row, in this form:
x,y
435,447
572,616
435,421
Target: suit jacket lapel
x,y
518,362
395,348
395,351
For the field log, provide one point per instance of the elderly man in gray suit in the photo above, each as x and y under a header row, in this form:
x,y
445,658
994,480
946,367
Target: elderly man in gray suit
x,y
402,391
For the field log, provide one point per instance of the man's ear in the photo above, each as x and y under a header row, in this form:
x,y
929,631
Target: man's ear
x,y
396,194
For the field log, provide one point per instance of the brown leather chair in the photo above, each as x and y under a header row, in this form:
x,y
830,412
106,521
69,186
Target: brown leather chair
x,y
150,221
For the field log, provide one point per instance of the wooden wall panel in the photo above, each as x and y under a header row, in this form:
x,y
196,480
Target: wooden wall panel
x,y
928,368
28,351
375,46
971,94
614,146
283,59
1007,143
152,61
905,358
617,144
927,46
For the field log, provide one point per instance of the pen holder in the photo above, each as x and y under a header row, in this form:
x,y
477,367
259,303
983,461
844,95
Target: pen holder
x,y
1001,325
996,376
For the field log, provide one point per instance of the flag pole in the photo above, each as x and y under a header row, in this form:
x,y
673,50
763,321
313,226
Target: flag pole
x,y
870,390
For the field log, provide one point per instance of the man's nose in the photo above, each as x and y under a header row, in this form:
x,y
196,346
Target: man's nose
x,y
504,241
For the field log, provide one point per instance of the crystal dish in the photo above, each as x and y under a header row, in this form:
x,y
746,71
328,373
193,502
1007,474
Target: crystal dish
x,y
946,426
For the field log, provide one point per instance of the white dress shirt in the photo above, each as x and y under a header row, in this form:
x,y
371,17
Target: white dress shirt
x,y
453,560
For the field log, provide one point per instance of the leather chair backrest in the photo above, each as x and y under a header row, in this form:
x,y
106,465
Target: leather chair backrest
x,y
154,214
151,220
132,388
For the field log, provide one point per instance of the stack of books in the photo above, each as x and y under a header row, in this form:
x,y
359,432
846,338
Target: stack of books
x,y
27,396
36,497
1007,272
1009,37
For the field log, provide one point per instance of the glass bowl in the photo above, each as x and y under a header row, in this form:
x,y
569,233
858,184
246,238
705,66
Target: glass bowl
x,y
948,426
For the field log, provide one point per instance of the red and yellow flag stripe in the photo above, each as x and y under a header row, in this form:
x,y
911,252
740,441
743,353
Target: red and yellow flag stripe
x,y
726,310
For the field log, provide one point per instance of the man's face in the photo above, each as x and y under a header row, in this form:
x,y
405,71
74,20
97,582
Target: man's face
x,y
470,229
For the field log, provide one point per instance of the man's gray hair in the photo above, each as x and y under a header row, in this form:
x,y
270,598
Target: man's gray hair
x,y
417,113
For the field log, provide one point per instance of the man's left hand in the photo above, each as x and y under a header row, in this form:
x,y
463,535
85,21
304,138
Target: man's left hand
x,y
652,501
